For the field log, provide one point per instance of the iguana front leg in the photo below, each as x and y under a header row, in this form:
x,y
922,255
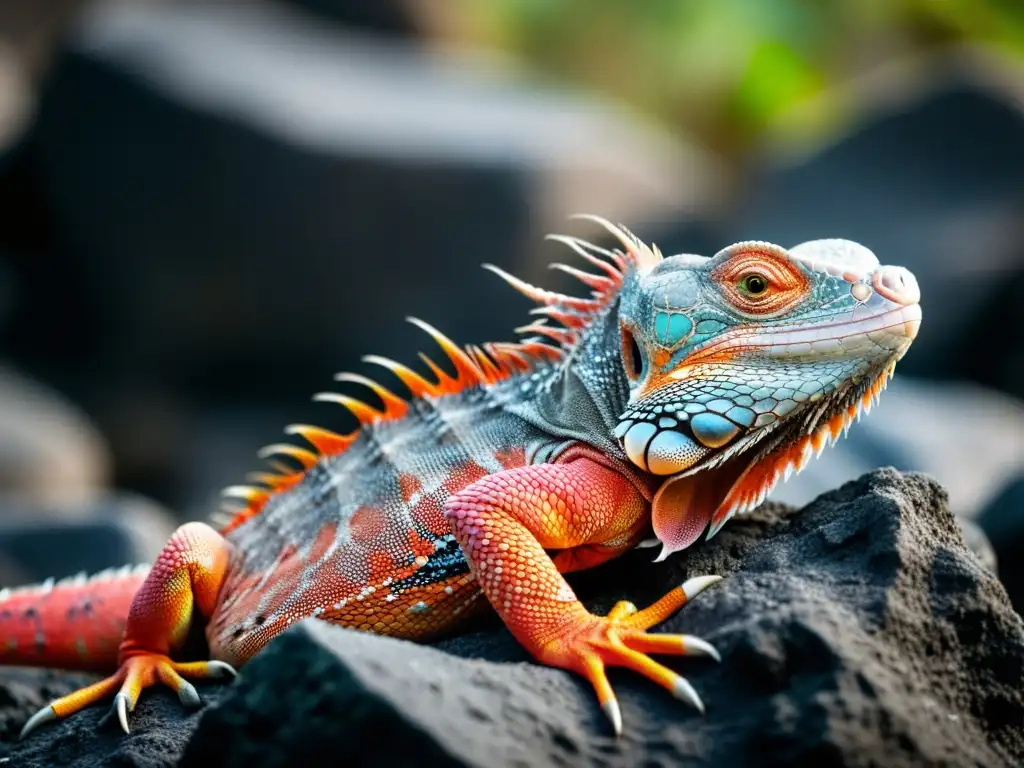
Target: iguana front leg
x,y
505,522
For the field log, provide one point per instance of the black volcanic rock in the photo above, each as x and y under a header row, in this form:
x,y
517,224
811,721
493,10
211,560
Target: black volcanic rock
x,y
858,631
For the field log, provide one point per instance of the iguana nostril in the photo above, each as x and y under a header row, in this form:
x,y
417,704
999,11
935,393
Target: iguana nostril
x,y
897,284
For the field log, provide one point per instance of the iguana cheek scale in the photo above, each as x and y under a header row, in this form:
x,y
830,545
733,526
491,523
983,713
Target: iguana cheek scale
x,y
673,397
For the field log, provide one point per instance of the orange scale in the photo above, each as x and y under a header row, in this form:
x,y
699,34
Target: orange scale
x,y
464,474
408,486
418,545
241,588
332,571
511,458
381,565
243,594
716,355
367,524
660,357
429,513
327,593
323,542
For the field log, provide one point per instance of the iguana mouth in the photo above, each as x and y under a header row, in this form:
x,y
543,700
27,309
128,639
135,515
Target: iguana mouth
x,y
706,495
890,329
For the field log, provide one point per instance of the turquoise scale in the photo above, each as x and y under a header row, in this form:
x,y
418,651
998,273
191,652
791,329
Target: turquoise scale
x,y
670,328
713,430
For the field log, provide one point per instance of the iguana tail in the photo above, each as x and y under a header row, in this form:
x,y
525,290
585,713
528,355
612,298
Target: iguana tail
x,y
74,623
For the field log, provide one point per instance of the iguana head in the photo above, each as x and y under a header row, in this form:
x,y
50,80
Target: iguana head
x,y
743,365
740,367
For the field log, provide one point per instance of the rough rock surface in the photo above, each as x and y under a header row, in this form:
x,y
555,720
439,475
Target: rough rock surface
x,y
858,631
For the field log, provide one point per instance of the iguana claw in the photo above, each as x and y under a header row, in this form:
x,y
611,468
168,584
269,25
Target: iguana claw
x,y
620,639
614,712
135,674
683,691
121,707
44,715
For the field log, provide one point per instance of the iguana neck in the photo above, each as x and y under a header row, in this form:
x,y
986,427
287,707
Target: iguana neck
x,y
583,396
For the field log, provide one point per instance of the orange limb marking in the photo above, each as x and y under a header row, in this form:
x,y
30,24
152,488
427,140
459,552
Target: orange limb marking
x,y
590,555
184,581
505,522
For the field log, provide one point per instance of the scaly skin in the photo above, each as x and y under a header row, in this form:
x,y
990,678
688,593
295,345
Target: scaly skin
x,y
677,395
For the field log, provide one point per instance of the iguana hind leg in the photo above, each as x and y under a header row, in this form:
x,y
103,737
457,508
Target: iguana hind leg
x,y
183,582
505,522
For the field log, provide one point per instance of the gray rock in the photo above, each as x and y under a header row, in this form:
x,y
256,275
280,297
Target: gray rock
x,y
858,631
161,727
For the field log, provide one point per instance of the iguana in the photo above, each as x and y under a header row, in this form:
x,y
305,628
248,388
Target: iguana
x,y
671,398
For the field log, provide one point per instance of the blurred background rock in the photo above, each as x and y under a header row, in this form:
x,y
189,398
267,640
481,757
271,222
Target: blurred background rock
x,y
208,208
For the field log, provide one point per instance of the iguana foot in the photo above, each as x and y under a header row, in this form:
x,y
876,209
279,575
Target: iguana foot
x,y
620,640
136,673
181,586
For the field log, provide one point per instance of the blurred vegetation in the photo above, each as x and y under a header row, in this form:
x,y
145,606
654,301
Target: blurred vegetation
x,y
729,72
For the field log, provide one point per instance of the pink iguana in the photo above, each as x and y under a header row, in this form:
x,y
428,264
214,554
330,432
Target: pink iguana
x,y
676,395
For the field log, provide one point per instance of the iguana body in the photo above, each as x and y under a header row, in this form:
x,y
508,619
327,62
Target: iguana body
x,y
674,396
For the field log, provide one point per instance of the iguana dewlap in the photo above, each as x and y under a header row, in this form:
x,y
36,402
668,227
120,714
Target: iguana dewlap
x,y
672,398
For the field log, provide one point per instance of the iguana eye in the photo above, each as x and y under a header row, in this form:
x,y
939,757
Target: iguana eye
x,y
632,355
754,284
758,281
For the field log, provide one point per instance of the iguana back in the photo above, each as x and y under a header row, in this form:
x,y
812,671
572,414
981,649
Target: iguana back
x,y
361,538
358,536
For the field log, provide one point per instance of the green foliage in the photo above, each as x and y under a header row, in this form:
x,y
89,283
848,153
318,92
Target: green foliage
x,y
730,71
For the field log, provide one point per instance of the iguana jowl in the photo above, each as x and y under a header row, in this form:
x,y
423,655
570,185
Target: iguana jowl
x,y
673,397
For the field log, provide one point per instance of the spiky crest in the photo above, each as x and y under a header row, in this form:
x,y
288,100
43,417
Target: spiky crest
x,y
474,366
762,476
